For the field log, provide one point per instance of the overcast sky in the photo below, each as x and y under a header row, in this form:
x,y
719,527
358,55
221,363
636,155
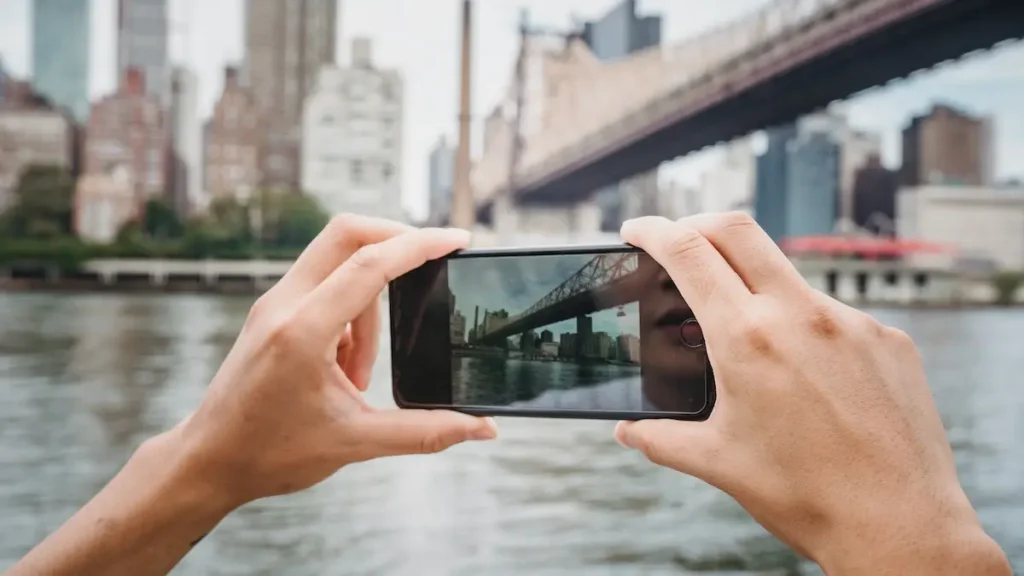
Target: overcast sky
x,y
421,39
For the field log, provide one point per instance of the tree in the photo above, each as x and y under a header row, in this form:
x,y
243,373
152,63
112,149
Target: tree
x,y
300,220
160,221
42,205
1007,285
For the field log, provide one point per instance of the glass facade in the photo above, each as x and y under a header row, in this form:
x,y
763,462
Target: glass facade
x,y
812,189
60,54
797,185
618,34
142,43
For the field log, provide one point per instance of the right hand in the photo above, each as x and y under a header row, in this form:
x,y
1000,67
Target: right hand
x,y
824,429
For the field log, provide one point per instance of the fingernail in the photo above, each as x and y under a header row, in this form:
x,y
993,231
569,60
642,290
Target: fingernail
x,y
623,436
487,431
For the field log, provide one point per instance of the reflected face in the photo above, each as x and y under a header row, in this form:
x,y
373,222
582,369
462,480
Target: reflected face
x,y
672,339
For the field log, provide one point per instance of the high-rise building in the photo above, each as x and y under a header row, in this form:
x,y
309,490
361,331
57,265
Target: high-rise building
x,y
442,170
771,181
286,45
352,138
857,148
812,187
617,34
60,54
947,147
142,43
128,128
874,197
730,185
186,184
797,183
232,142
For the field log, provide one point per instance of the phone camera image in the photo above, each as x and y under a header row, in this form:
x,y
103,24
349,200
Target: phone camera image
x,y
587,332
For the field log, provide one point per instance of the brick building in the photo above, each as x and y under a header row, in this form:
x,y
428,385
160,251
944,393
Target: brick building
x,y
232,142
129,128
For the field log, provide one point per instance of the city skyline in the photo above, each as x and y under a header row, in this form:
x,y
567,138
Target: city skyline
x,y
986,84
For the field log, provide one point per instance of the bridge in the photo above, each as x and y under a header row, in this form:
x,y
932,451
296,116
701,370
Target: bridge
x,y
603,282
590,124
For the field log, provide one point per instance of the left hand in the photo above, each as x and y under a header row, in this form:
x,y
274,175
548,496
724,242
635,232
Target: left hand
x,y
284,412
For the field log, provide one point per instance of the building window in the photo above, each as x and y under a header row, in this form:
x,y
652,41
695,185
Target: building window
x,y
387,171
386,91
357,171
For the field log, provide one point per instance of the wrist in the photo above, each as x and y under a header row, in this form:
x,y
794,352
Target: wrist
x,y
914,539
192,487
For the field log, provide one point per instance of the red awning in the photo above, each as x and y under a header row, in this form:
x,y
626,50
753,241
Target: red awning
x,y
861,246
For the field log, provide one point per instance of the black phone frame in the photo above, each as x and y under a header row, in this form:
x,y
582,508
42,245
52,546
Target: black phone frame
x,y
554,250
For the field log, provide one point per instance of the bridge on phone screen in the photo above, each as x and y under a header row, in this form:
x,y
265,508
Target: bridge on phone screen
x,y
594,123
603,282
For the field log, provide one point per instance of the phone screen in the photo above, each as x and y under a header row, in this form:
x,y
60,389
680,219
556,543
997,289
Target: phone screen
x,y
575,332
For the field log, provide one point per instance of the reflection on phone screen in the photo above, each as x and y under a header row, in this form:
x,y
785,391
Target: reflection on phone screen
x,y
572,332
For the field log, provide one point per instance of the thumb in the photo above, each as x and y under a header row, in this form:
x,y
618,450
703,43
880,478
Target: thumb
x,y
399,432
683,446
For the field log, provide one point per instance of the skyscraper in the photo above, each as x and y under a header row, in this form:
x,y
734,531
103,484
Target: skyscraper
x,y
771,181
142,39
618,34
874,197
442,166
946,146
812,184
286,45
60,54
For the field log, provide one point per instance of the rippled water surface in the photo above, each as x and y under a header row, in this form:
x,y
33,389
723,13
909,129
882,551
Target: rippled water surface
x,y
85,378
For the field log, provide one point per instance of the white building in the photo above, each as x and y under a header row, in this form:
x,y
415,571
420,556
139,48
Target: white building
x,y
442,172
31,136
982,223
186,144
352,138
730,185
103,204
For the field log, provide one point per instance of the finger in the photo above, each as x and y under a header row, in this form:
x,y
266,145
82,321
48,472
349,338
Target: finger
x,y
365,331
687,447
399,432
749,251
336,243
355,284
704,279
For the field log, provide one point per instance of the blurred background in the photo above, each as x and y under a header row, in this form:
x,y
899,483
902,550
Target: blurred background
x,y
163,161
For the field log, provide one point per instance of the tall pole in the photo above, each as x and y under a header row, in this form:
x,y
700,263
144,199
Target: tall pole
x,y
463,206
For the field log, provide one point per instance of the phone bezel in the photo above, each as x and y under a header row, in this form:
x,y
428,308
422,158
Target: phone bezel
x,y
554,250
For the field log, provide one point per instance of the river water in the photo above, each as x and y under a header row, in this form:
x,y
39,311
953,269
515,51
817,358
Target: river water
x,y
85,378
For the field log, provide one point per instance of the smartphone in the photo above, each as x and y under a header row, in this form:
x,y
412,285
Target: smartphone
x,y
593,332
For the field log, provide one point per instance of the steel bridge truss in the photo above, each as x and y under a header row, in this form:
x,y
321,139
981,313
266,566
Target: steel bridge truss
x,y
602,270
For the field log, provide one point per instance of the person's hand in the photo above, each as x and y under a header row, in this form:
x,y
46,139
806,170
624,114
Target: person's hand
x,y
824,428
284,411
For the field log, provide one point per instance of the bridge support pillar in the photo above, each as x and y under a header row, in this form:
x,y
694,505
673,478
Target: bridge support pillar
x,y
107,277
158,278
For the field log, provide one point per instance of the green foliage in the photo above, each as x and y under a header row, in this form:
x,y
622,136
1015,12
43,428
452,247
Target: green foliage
x,y
160,221
1007,284
37,230
42,204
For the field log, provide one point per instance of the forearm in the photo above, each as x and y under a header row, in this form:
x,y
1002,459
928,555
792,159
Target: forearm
x,y
143,522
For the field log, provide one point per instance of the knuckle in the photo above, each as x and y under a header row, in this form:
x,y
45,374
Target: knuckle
x,y
287,334
432,443
735,220
368,260
684,243
754,330
823,322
